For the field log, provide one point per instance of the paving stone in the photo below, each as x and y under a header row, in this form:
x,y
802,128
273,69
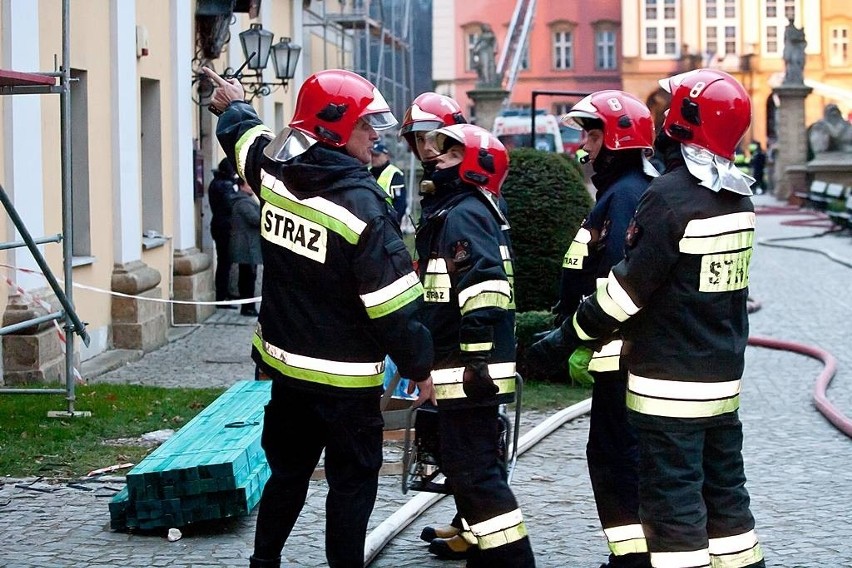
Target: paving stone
x,y
797,463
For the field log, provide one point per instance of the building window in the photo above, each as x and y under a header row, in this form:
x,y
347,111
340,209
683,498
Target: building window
x,y
775,22
563,49
472,38
660,25
838,49
151,153
650,9
605,50
721,29
651,41
671,41
81,219
730,40
712,41
789,9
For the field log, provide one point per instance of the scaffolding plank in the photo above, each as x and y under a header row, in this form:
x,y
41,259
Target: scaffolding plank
x,y
10,78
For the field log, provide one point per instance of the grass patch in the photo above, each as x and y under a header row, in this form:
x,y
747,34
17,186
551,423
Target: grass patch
x,y
552,396
31,444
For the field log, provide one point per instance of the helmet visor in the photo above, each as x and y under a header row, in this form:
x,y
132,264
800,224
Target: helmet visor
x,y
380,120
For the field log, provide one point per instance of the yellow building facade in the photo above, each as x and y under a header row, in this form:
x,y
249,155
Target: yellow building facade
x,y
744,38
142,149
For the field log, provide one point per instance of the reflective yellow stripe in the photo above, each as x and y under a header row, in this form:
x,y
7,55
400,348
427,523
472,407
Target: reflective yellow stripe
x,y
626,539
729,223
317,209
682,399
456,391
486,300
342,374
500,287
468,347
735,551
692,559
392,297
503,537
244,143
578,250
608,358
456,374
432,280
686,390
385,179
724,272
717,244
614,300
681,408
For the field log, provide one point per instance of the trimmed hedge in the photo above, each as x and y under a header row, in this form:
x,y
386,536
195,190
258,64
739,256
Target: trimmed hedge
x,y
547,201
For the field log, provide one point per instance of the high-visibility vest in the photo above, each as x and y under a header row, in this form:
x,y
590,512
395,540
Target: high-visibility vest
x,y
385,179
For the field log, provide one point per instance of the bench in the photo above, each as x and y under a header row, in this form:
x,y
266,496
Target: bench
x,y
840,212
212,468
814,197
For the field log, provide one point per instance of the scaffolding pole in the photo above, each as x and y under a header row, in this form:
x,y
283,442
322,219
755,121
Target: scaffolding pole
x,y
40,83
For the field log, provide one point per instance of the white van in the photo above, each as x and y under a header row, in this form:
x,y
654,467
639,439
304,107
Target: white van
x,y
512,128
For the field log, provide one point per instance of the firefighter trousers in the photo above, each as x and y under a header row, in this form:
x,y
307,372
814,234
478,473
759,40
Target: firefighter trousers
x,y
693,502
477,479
612,453
298,425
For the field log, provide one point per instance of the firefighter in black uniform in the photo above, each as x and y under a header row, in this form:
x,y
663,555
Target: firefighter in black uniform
x,y
619,130
430,111
465,264
679,298
339,293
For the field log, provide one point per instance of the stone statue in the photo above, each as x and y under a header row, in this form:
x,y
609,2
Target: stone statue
x,y
832,133
794,54
484,59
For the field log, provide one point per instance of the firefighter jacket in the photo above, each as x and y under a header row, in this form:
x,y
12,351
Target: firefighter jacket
x,y
339,288
679,297
597,247
465,264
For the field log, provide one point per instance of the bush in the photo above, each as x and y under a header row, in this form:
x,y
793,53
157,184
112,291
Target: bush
x,y
527,324
547,201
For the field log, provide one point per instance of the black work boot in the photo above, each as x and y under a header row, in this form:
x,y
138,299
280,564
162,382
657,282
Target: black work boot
x,y
430,533
453,548
263,563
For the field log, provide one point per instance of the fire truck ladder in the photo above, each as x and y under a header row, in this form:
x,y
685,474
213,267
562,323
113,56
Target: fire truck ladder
x,y
513,49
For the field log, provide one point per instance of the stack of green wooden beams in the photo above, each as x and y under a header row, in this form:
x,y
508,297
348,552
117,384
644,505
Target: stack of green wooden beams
x,y
212,468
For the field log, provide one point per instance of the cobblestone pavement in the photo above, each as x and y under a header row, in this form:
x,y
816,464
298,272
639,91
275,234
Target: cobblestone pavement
x,y
797,463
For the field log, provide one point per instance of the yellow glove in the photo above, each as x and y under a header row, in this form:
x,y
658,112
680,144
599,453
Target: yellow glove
x,y
578,366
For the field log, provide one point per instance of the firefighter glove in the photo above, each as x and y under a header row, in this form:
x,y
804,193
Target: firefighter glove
x,y
548,355
578,366
478,384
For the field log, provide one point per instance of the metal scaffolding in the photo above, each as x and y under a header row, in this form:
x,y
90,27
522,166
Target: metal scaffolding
x,y
381,33
17,83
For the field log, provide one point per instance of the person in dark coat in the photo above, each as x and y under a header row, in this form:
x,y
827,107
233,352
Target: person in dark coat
x,y
245,244
221,195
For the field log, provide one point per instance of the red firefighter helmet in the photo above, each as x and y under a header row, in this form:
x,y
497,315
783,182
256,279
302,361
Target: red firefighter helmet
x,y
625,120
709,109
331,102
485,163
429,111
